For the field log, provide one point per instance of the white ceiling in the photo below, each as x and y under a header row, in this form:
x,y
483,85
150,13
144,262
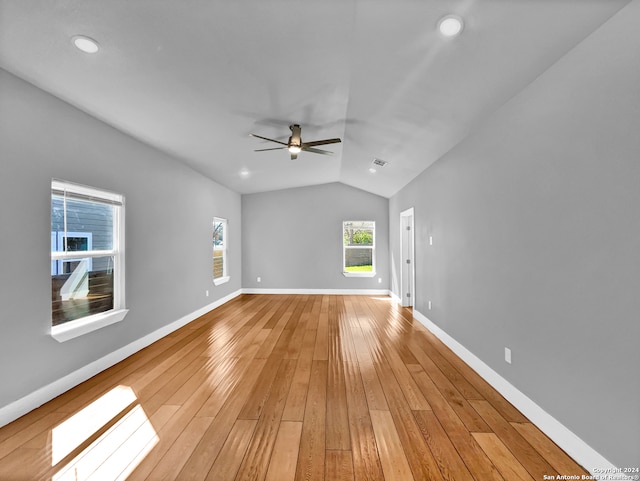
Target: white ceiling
x,y
194,77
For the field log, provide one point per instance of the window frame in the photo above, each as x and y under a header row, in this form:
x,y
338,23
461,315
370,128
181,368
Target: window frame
x,y
224,249
84,325
372,247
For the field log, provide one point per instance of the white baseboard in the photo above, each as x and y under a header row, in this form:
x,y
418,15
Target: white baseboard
x,y
46,393
345,292
575,447
395,298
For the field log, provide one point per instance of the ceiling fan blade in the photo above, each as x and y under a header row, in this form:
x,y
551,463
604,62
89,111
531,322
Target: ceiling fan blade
x,y
317,151
274,148
270,140
321,142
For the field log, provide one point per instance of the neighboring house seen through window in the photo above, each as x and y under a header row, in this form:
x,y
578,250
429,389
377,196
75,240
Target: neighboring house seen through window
x,y
87,259
358,239
220,268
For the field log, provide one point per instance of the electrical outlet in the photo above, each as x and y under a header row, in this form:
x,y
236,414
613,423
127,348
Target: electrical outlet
x,y
379,280
429,305
507,355
259,279
430,240
206,293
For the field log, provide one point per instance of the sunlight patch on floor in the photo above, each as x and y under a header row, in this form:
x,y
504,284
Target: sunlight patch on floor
x,y
114,454
68,435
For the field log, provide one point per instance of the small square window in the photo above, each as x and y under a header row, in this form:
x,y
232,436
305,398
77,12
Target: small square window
x,y
358,239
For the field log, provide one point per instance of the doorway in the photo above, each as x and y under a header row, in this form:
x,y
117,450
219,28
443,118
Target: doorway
x,y
407,254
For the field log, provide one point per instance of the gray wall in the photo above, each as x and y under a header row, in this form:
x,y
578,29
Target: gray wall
x,y
169,211
292,238
536,226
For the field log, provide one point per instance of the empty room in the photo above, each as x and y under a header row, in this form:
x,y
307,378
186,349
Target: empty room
x,y
319,240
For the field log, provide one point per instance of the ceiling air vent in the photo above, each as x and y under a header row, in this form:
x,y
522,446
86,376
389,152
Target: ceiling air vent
x,y
379,163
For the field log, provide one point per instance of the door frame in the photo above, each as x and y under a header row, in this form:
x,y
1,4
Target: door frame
x,y
407,269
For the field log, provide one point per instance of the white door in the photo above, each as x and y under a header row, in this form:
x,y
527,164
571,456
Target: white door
x,y
407,282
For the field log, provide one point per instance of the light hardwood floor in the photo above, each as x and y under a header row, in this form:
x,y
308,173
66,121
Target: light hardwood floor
x,y
280,387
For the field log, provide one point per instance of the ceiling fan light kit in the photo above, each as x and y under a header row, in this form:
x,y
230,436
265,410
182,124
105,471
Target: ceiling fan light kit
x,y
295,145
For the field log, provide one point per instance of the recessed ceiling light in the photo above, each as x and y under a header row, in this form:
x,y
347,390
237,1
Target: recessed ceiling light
x,y
86,44
450,26
244,172
372,170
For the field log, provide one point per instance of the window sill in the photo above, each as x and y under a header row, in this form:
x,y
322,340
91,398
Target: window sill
x,y
72,329
221,280
359,274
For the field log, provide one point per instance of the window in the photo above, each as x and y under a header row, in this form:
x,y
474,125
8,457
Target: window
x,y
87,259
359,248
220,270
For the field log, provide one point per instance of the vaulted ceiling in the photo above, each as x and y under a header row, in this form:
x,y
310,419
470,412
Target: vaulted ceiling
x,y
194,77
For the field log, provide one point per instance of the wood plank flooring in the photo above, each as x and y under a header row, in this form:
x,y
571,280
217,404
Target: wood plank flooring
x,y
282,388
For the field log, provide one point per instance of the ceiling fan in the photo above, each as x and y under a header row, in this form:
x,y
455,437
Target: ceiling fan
x,y
296,145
